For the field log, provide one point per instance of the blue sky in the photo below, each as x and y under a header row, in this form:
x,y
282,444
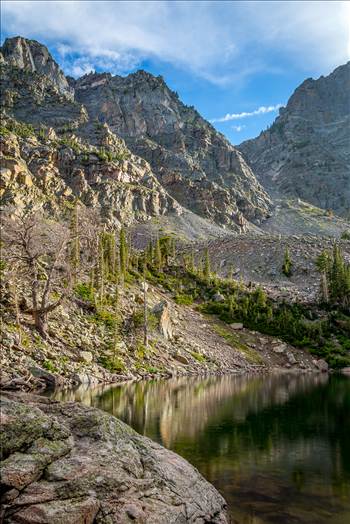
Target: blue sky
x,y
225,58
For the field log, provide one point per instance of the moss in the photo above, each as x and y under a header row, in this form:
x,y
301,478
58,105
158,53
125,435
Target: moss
x,y
198,356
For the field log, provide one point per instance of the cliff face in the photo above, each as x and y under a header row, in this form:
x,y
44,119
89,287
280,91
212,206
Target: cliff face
x,y
32,56
194,162
306,152
51,153
140,152
192,165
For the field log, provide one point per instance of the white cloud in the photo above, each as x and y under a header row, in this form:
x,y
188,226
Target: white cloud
x,y
237,116
222,42
238,128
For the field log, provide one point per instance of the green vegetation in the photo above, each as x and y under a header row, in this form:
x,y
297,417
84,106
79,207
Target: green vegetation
x,y
106,155
17,128
287,264
113,364
198,356
345,235
324,332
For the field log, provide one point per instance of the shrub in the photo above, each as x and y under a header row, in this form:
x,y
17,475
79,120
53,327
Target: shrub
x,y
184,299
198,356
85,292
113,364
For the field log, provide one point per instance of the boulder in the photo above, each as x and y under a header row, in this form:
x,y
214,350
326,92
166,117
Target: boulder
x,y
162,312
50,379
86,356
291,358
66,462
218,297
280,348
182,359
83,378
321,365
236,325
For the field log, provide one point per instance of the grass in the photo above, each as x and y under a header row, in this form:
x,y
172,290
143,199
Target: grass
x,y
198,356
250,354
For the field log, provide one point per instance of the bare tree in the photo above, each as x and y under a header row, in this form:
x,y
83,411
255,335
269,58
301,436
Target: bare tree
x,y
38,247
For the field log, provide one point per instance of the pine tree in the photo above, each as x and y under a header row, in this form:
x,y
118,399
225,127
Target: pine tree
x,y
75,241
206,265
100,271
123,253
287,264
157,255
149,254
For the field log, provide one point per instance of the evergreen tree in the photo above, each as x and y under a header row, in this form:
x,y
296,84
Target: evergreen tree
x,y
287,263
123,253
157,255
74,242
206,264
100,271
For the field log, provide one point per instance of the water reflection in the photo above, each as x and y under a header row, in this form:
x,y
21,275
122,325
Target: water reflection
x,y
277,447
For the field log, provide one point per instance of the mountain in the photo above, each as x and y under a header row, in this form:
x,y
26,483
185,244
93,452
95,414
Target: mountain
x,y
191,165
196,164
306,151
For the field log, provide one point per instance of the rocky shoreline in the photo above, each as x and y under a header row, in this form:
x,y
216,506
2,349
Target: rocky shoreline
x,y
65,462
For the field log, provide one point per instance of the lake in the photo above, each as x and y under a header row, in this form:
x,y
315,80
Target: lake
x,y
277,447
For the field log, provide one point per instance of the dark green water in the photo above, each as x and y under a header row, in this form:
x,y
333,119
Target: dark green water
x,y
276,447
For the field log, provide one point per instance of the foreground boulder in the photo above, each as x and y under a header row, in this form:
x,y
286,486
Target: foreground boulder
x,y
67,463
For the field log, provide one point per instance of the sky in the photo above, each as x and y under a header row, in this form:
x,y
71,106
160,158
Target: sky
x,y
235,62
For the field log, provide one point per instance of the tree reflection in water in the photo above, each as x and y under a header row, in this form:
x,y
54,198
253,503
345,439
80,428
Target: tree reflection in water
x,y
276,446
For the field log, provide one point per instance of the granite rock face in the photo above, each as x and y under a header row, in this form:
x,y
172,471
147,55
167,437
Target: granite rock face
x,y
306,151
32,56
194,162
192,165
69,463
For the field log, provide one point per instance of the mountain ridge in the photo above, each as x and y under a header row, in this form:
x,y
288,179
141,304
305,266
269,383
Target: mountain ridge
x,y
306,151
187,164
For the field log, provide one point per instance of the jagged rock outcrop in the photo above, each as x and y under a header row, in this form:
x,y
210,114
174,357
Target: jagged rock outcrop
x,y
194,162
191,161
43,170
32,56
306,151
70,463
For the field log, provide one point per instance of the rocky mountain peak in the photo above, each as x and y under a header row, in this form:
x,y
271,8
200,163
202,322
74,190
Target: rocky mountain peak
x,y
306,151
34,57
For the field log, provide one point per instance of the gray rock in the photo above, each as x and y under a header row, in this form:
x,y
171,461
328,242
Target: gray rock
x,y
50,379
321,365
162,312
86,356
309,141
281,348
291,358
218,297
236,325
182,359
95,466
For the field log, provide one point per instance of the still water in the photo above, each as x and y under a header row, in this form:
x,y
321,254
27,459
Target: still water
x,y
277,447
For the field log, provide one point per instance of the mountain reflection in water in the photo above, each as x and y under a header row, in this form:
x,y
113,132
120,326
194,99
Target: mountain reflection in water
x,y
277,447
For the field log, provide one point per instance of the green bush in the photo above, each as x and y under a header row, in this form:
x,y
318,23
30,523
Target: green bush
x,y
85,292
113,364
103,316
183,299
49,365
198,356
